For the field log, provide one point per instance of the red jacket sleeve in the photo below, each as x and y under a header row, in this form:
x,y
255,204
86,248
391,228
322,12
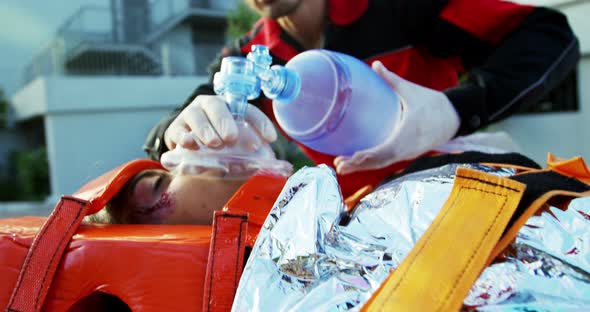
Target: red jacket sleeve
x,y
513,54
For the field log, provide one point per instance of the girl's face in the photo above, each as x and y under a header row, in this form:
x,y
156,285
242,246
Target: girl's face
x,y
158,197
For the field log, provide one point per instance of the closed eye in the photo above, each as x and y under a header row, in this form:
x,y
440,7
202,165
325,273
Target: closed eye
x,y
158,182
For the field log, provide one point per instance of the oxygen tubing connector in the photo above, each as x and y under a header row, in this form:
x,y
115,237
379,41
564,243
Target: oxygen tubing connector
x,y
236,81
277,82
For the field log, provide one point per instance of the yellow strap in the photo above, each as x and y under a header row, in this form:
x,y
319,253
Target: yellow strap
x,y
448,258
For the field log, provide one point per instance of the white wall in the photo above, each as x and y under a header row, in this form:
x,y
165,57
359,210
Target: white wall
x,y
95,124
577,13
82,146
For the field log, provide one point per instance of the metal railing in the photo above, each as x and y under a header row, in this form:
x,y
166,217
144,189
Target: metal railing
x,y
93,27
89,24
162,11
48,62
90,28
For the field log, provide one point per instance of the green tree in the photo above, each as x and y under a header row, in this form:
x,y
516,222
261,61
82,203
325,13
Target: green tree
x,y
240,20
28,170
32,170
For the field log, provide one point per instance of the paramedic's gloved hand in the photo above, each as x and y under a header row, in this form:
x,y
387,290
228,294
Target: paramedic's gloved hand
x,y
428,119
207,121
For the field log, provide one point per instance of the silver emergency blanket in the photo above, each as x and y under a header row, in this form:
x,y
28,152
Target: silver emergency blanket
x,y
310,256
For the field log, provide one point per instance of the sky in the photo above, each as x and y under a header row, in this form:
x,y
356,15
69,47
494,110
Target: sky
x,y
26,28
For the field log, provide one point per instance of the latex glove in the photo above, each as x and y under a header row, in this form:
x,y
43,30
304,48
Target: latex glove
x,y
207,121
428,119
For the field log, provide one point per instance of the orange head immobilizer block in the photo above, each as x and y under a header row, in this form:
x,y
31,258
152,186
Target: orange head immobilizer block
x,y
59,264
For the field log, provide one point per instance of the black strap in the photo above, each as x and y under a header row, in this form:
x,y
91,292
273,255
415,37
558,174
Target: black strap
x,y
424,163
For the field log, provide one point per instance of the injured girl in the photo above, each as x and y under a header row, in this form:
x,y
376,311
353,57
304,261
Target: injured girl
x,y
196,183
313,253
158,196
184,195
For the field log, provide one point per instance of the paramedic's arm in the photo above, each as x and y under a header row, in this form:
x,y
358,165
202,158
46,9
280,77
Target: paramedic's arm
x,y
513,55
427,120
204,117
154,144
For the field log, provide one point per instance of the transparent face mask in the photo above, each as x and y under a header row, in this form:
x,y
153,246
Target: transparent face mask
x,y
237,83
250,154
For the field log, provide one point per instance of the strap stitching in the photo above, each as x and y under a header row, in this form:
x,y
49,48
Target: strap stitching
x,y
63,239
438,224
32,251
236,278
475,251
212,262
213,254
33,248
489,183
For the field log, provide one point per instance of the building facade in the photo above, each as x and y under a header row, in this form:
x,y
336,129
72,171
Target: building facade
x,y
109,75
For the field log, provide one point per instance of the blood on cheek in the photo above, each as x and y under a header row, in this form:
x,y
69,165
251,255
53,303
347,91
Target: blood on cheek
x,y
159,211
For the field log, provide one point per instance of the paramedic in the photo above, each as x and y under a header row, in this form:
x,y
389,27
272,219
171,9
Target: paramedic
x,y
508,55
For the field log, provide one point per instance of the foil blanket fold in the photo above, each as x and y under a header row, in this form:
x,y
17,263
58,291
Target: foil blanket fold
x,y
311,256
